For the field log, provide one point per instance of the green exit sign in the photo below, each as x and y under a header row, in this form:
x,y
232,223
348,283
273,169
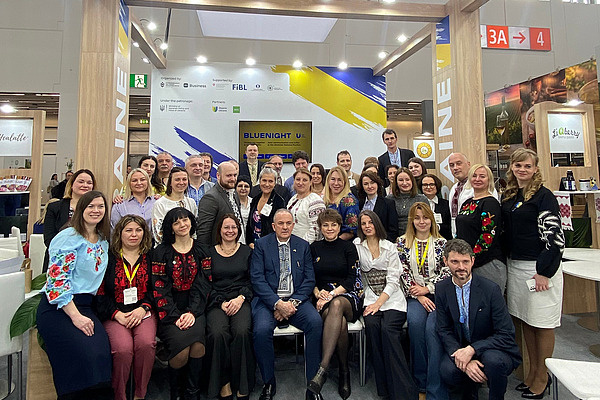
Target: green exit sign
x,y
144,121
139,81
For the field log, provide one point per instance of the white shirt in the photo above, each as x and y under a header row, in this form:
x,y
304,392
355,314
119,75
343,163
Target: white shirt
x,y
389,261
162,206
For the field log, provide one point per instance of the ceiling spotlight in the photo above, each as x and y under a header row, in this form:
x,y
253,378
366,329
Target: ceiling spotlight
x,y
343,65
7,108
151,26
382,55
427,133
574,103
297,64
201,59
145,59
250,61
164,46
136,44
402,38
389,1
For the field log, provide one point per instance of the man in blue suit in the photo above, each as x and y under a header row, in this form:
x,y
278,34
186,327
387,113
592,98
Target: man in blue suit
x,y
283,279
474,327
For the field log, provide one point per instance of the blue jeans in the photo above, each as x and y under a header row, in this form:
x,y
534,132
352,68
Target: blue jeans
x,y
426,351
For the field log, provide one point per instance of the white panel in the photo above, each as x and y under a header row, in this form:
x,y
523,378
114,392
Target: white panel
x,y
31,14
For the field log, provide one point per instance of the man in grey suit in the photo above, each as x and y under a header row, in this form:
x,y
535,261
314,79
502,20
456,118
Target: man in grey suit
x,y
218,201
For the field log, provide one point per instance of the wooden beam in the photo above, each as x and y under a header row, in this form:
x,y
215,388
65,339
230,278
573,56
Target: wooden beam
x,y
140,35
412,45
471,5
346,9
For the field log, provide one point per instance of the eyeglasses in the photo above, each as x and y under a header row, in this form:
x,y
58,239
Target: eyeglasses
x,y
428,185
243,186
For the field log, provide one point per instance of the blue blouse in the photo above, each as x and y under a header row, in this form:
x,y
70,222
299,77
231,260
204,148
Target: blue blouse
x,y
76,266
349,210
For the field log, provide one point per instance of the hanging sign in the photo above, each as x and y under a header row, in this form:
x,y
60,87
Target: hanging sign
x,y
515,38
16,137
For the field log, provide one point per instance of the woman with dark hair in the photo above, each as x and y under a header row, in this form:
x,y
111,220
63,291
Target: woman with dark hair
x,y
175,196
124,303
81,364
417,167
421,254
390,172
242,188
149,164
229,315
317,184
338,297
385,308
181,270
339,197
371,197
431,186
60,212
405,193
535,242
263,207
305,207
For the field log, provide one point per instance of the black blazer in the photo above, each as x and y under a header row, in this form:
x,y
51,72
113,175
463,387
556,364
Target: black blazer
x,y
279,189
386,211
57,216
276,202
443,207
384,161
245,170
490,324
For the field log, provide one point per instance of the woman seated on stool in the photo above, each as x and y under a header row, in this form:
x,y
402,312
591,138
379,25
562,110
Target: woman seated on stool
x,y
229,316
385,308
180,276
338,297
124,301
81,363
421,255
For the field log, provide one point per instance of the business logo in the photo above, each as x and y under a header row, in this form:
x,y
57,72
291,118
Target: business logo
x,y
424,150
185,84
566,133
236,109
215,108
219,106
238,86
162,84
194,85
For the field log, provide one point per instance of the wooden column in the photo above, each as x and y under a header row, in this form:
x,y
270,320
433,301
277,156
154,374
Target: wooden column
x,y
104,92
458,104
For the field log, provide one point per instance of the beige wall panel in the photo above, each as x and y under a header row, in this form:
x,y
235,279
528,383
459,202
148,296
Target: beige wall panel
x,y
28,14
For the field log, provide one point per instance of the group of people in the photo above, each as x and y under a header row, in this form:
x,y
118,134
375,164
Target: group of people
x,y
212,266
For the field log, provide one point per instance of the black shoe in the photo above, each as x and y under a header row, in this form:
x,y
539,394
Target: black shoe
x,y
192,390
528,394
313,396
344,389
173,383
316,383
521,387
268,392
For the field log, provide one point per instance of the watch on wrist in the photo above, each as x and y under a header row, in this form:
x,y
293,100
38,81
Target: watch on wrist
x,y
145,307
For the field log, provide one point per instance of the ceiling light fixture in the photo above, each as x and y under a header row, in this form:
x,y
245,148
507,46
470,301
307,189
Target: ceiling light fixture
x,y
382,55
343,65
250,61
297,64
389,1
402,38
7,108
149,24
164,46
201,59
145,59
136,44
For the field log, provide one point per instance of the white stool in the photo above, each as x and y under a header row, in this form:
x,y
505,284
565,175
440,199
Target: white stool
x,y
579,377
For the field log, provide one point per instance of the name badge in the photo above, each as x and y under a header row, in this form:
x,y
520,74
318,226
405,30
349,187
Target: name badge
x,y
266,210
130,296
438,218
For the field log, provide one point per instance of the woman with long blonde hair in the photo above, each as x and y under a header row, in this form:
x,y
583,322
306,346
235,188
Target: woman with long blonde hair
x,y
338,197
535,243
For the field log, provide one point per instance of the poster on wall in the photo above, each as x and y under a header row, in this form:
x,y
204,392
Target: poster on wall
x,y
16,137
280,138
198,108
566,132
424,149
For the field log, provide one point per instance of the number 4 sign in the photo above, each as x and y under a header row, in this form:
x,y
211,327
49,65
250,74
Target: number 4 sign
x,y
515,38
540,39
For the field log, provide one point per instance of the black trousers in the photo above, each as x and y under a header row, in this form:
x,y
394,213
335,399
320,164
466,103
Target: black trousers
x,y
497,365
392,375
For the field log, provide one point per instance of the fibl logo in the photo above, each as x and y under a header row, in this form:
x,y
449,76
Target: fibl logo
x,y
238,86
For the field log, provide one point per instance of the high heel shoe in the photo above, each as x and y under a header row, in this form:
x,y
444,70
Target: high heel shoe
x,y
521,387
528,394
317,382
344,388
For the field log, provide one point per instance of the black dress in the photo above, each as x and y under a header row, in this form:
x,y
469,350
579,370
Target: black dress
x,y
258,224
181,285
336,264
230,338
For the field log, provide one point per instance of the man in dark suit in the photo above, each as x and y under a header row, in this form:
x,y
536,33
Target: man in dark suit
x,y
474,327
251,166
221,199
283,278
393,155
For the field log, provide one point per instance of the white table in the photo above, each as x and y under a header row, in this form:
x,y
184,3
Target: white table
x,y
579,254
587,270
579,377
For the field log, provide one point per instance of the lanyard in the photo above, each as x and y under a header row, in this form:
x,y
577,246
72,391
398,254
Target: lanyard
x,y
421,261
129,275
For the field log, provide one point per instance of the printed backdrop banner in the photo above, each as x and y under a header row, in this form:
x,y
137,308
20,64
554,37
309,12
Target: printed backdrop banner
x,y
16,137
196,108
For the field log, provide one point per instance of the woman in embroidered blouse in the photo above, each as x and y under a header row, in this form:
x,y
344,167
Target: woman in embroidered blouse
x,y
81,364
305,207
479,223
263,207
60,212
138,200
148,164
338,197
229,315
177,185
405,193
317,184
535,242
385,308
125,313
180,277
421,254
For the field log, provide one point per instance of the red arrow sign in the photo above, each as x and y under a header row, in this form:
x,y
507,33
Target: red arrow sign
x,y
520,37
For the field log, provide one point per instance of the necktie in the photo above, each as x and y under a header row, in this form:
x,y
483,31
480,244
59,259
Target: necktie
x,y
455,197
285,269
253,177
234,206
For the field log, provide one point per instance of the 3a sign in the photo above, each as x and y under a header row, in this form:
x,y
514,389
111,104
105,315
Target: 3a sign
x,y
515,38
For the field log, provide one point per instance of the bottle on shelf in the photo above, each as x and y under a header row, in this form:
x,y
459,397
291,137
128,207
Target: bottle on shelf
x,y
570,181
